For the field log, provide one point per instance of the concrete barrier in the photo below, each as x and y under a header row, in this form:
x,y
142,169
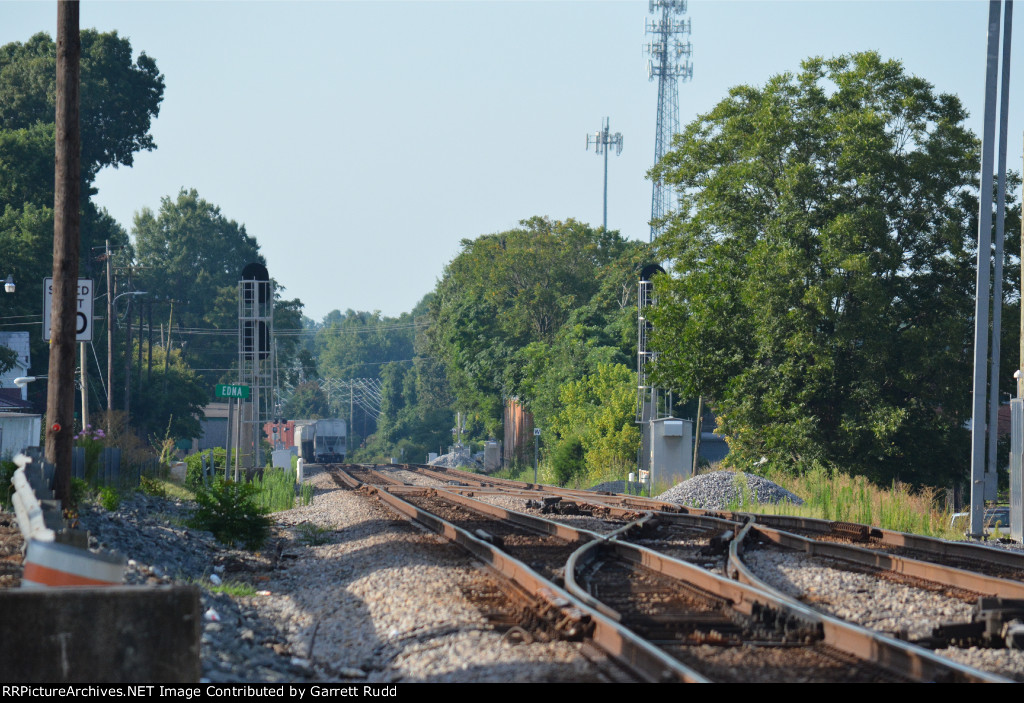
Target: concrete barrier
x,y
120,634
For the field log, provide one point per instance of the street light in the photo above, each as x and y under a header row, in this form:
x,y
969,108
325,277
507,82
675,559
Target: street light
x,y
110,348
9,283
23,381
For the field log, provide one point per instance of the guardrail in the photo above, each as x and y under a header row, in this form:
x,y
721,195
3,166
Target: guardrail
x,y
56,555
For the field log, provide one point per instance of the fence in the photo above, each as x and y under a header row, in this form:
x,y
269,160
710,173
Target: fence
x,y
110,471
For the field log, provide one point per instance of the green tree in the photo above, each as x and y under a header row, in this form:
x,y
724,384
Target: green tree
x,y
170,400
190,255
505,300
357,344
307,402
821,292
119,96
599,413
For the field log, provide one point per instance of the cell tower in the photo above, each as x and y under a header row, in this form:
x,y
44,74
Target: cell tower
x,y
603,142
669,62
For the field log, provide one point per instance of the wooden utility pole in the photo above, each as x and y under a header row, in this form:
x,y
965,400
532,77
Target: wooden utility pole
x,y
110,338
60,395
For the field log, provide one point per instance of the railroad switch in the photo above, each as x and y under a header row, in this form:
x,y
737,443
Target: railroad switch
x,y
719,544
996,623
568,620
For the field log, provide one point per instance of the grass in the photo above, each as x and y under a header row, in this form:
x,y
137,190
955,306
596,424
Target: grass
x,y
234,589
313,535
843,498
172,520
276,490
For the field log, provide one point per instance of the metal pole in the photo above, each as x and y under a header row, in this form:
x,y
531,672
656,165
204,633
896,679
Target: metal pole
x,y
128,356
536,445
604,138
992,476
85,387
1020,377
149,346
227,439
983,289
60,392
696,440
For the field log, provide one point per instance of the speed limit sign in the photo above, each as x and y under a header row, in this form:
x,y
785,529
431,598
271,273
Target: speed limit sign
x,y
83,317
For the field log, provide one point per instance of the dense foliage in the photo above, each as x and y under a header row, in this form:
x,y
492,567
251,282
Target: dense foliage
x,y
120,96
821,292
518,313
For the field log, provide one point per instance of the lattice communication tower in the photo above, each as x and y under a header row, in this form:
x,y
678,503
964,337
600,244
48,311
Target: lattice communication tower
x,y
669,63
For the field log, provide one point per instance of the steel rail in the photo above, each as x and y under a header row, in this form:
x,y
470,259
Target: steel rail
x,y
637,502
900,656
571,616
928,571
891,538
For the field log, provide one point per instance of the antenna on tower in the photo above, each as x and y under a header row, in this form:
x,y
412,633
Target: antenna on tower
x,y
603,140
669,62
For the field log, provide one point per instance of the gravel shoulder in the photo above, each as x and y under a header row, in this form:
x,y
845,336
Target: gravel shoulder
x,y
348,592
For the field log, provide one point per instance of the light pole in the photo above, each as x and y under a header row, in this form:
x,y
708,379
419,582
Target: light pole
x,y
110,347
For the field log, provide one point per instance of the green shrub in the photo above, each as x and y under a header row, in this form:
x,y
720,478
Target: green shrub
x,y
80,491
567,460
194,466
152,487
110,498
231,511
7,469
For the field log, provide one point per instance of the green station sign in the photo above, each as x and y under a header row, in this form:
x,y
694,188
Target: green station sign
x,y
225,390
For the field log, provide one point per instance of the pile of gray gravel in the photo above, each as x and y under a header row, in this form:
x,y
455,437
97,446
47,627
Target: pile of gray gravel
x,y
455,460
717,490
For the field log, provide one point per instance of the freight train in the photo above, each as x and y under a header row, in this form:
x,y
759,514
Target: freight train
x,y
321,441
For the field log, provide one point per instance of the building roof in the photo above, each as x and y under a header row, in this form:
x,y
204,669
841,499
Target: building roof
x,y
10,399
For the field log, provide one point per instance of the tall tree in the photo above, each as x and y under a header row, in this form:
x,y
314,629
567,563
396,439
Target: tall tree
x,y
189,253
821,287
504,300
119,96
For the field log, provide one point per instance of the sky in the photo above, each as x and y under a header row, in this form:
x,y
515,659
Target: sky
x,y
361,142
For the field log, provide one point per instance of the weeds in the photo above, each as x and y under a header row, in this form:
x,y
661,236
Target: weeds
x,y
172,520
275,491
832,495
314,535
152,487
110,498
234,589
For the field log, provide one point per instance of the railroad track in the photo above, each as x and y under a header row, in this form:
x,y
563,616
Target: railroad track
x,y
643,591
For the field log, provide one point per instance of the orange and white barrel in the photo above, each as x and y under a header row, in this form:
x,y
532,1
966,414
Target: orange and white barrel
x,y
51,564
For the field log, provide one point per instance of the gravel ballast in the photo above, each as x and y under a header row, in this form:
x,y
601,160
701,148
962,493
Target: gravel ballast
x,y
720,489
347,592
